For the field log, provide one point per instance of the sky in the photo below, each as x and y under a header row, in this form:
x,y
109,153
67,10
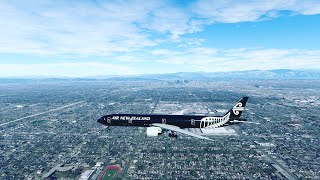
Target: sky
x,y
90,38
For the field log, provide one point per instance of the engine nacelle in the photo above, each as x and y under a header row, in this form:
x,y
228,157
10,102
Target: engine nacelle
x,y
153,131
173,134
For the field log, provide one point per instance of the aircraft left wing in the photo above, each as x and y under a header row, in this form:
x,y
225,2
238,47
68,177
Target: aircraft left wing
x,y
179,130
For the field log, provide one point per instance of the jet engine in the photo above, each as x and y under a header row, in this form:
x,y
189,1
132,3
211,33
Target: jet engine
x,y
153,131
173,134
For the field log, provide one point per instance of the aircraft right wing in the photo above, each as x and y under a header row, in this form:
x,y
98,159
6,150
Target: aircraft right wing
x,y
179,130
249,122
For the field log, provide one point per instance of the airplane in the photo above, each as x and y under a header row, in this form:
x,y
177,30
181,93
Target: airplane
x,y
156,123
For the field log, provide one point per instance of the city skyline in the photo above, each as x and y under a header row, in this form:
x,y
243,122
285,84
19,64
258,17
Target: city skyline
x,y
92,38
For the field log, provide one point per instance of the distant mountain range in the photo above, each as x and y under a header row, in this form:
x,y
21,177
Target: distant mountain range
x,y
249,74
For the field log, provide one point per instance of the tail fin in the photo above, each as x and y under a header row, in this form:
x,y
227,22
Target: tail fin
x,y
236,111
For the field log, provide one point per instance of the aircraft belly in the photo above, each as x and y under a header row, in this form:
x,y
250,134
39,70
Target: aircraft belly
x,y
182,123
141,123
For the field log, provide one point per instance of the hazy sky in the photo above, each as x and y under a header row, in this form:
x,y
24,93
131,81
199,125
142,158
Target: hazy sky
x,y
87,38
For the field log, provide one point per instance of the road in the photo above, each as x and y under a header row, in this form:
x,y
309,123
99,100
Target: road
x,y
282,169
34,115
285,171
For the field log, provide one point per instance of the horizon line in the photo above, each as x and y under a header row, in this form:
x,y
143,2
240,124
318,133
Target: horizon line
x,y
137,75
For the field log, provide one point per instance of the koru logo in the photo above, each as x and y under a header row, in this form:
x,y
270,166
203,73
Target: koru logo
x,y
238,107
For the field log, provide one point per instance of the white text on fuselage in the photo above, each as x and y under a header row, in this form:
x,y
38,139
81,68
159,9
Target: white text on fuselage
x,y
130,118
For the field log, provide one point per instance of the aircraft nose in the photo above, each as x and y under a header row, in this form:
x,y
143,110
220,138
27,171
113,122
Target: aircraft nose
x,y
100,120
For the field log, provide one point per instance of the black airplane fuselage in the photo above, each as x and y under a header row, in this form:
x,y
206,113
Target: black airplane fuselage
x,y
182,121
145,120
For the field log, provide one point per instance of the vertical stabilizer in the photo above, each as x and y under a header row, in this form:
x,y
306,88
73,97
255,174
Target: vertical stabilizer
x,y
237,110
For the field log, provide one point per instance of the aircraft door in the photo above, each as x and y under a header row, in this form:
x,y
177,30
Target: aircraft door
x,y
164,120
193,123
109,120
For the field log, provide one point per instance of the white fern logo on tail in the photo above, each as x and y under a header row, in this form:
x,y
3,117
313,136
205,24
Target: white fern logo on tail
x,y
237,108
214,122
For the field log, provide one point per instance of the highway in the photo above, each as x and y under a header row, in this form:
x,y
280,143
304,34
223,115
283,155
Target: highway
x,y
41,113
